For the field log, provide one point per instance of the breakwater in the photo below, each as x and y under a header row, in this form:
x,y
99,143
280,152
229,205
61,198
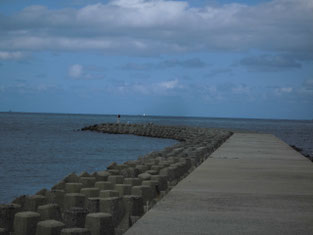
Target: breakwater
x,y
110,201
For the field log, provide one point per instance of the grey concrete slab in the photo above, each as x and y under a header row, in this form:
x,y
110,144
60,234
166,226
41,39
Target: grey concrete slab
x,y
253,184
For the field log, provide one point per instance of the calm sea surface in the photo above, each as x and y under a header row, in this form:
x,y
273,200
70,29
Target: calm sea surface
x,y
37,150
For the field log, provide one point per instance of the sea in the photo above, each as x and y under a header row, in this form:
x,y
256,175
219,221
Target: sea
x,y
39,149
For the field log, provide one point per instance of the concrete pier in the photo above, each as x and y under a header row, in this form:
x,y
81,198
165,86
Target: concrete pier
x,y
252,184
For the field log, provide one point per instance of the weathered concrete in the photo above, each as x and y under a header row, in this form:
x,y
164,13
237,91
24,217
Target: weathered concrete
x,y
49,227
253,184
49,212
76,195
100,224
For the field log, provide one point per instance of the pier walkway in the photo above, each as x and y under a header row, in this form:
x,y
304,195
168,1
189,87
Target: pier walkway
x,y
253,184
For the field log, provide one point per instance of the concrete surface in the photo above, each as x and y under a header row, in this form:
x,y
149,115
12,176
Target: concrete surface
x,y
253,184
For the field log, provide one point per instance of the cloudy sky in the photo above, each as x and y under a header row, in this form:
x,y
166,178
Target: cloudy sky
x,y
214,58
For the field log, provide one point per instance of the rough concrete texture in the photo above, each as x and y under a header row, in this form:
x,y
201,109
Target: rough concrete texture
x,y
253,184
93,204
73,187
108,193
7,213
25,223
75,217
173,163
104,185
49,227
90,192
32,202
88,182
49,211
113,206
74,200
100,224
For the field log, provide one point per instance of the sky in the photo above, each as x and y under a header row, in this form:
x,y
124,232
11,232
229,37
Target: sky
x,y
207,58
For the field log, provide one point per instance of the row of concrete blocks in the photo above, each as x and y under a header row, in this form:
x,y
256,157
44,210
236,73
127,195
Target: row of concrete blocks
x,y
97,198
120,213
29,223
171,132
141,182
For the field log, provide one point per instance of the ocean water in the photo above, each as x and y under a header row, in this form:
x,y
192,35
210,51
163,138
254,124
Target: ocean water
x,y
38,150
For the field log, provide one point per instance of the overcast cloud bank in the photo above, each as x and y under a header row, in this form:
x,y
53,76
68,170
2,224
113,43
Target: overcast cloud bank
x,y
158,26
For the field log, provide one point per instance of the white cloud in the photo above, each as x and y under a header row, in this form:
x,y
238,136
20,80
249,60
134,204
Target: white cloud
x,y
75,71
283,90
169,84
11,55
161,88
159,26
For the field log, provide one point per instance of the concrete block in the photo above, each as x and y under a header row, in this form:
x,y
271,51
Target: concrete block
x,y
162,181
104,185
121,166
131,163
73,187
168,172
75,217
130,172
59,185
100,224
112,166
50,212
21,200
32,202
74,200
152,172
42,192
90,192
149,164
25,223
75,231
133,205
102,175
144,176
156,168
108,193
116,179
132,181
142,168
165,163
154,184
84,174
123,189
113,172
146,192
113,206
71,178
7,213
134,219
88,182
56,196
49,227
93,204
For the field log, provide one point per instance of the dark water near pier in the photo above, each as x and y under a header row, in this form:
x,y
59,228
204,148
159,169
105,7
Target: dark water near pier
x,y
37,150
